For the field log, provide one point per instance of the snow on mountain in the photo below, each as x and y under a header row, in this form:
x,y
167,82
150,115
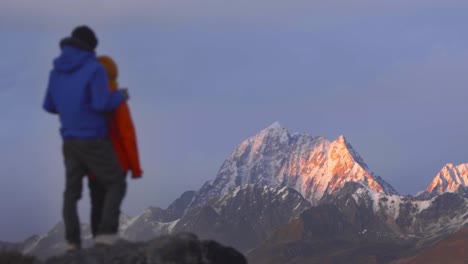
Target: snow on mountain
x,y
244,217
146,226
449,179
405,216
260,198
52,243
390,205
313,166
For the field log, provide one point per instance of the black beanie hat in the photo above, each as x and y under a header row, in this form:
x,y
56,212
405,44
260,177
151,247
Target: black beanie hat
x,y
86,35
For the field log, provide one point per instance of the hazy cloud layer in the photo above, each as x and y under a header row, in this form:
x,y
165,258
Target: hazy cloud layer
x,y
276,13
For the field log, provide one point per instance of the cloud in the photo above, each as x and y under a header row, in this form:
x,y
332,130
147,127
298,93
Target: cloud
x,y
52,14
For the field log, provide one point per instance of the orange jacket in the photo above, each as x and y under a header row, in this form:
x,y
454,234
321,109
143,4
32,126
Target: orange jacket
x,y
121,129
123,137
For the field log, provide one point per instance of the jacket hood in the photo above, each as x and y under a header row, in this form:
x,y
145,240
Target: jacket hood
x,y
72,59
110,66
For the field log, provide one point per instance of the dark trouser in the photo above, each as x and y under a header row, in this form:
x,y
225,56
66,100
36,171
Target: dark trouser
x,y
98,194
97,157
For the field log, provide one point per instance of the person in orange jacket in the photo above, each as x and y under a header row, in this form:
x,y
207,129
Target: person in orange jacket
x,y
123,138
121,128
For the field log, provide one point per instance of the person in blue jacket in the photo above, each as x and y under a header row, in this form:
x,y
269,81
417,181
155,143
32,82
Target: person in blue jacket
x,y
78,91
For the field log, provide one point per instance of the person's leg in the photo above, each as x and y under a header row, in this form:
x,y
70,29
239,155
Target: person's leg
x,y
97,193
115,193
73,187
103,162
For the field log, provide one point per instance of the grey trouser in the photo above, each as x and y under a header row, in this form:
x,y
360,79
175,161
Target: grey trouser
x,y
97,157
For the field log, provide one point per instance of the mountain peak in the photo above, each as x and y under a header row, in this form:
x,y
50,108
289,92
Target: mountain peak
x,y
342,145
341,139
275,130
449,179
275,125
312,166
449,166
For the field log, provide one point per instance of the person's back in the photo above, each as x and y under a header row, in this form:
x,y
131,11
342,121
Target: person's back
x,y
78,92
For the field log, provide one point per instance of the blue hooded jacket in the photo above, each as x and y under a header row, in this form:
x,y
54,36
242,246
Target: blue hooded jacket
x,y
78,92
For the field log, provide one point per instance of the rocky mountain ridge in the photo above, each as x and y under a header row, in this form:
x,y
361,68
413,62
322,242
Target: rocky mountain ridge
x,y
275,183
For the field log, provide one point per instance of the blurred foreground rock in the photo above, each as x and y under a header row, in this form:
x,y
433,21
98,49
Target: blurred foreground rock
x,y
183,248
11,257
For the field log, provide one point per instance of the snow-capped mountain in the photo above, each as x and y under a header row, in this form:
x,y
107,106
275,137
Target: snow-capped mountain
x,y
313,166
449,179
277,187
155,221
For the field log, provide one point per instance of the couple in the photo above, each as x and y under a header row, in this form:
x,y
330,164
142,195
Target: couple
x,y
99,140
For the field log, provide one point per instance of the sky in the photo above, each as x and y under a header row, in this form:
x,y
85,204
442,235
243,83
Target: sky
x,y
205,75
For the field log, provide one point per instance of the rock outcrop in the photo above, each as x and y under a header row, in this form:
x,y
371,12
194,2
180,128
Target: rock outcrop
x,y
181,248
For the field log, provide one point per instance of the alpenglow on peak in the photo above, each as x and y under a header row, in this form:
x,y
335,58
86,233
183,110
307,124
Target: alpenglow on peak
x,y
449,179
314,166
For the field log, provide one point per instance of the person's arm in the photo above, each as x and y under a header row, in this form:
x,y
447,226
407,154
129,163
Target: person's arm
x,y
128,137
103,100
48,103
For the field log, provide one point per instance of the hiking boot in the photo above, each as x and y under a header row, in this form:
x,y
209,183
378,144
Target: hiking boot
x,y
106,240
72,247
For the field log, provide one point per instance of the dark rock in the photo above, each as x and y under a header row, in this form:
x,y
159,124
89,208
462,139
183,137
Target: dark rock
x,y
181,248
11,257
178,207
123,252
445,206
8,247
425,196
215,253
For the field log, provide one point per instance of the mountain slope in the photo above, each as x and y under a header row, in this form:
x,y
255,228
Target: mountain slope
x,y
323,234
246,216
453,249
359,225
